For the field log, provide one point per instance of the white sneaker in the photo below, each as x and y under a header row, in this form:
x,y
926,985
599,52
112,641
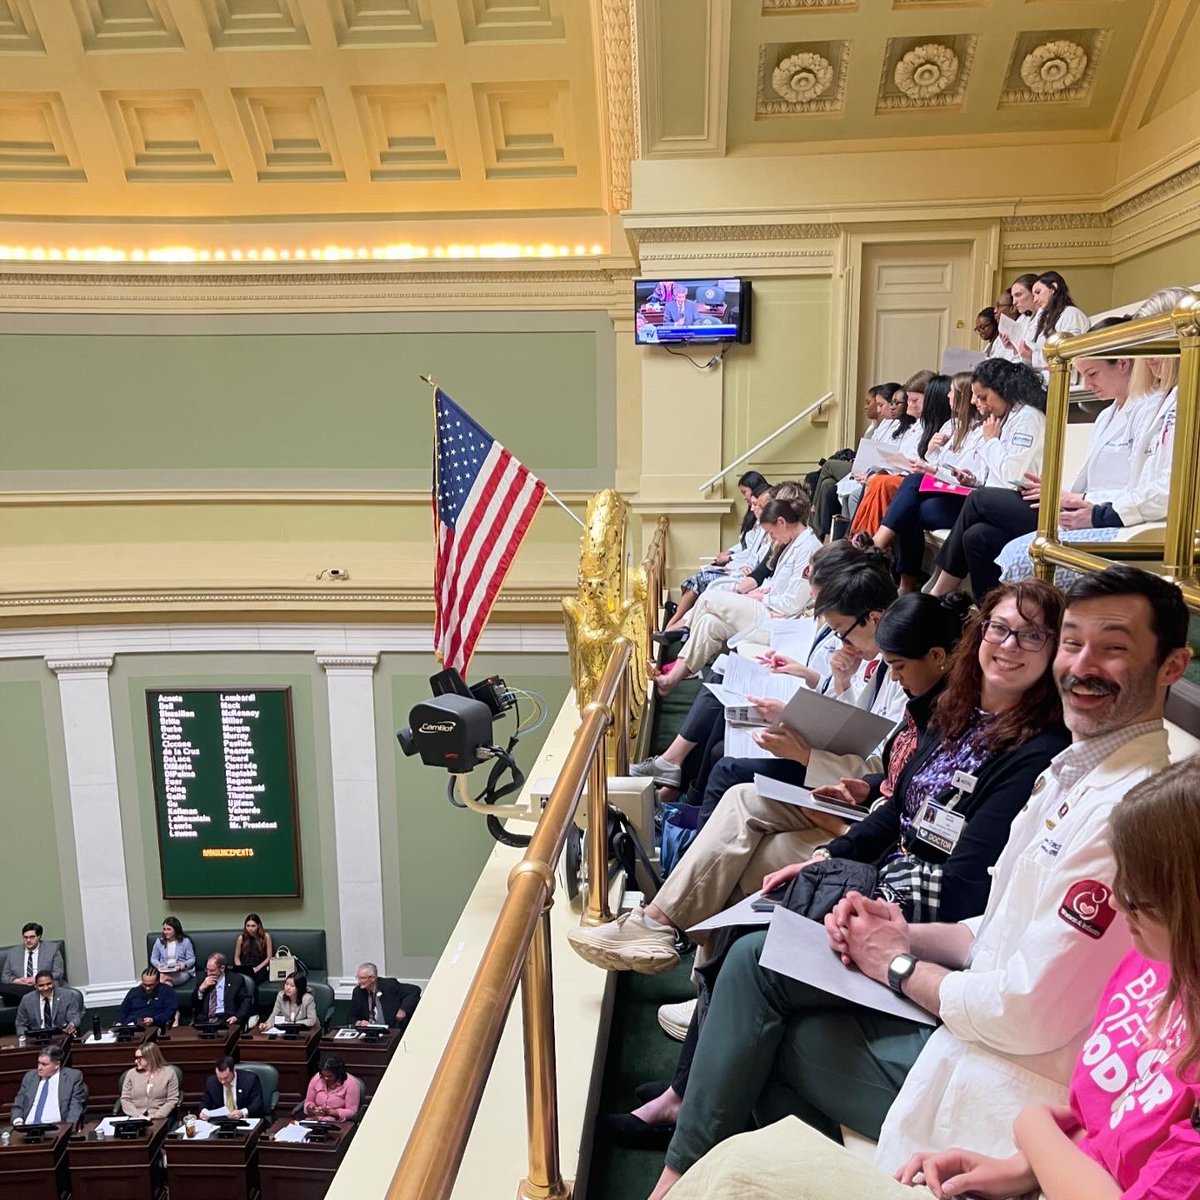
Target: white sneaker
x,y
675,1018
626,944
665,774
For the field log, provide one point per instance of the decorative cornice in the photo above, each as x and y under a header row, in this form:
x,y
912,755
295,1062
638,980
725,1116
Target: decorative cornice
x,y
617,38
347,662
74,666
733,233
1172,186
1036,222
333,597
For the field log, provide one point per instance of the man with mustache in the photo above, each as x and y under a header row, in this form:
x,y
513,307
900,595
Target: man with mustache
x,y
1016,990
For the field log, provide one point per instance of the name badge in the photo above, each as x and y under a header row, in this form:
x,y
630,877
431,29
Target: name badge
x,y
964,782
938,827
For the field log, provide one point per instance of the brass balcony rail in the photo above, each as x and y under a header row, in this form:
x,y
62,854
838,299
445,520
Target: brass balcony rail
x,y
519,949
1166,335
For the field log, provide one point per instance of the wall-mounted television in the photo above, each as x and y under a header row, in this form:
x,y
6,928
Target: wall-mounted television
x,y
670,311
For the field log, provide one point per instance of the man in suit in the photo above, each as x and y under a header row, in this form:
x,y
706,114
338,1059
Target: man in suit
x,y
221,996
679,310
376,1001
23,962
238,1091
49,1007
152,1002
51,1092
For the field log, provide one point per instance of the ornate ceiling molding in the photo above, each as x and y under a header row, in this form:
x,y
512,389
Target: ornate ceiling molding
x,y
1187,178
1037,222
802,77
1059,69
927,74
734,233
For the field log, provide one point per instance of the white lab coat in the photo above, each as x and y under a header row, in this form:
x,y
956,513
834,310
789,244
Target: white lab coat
x,y
758,542
966,457
1144,495
884,698
1070,320
787,591
881,431
1004,460
1016,1018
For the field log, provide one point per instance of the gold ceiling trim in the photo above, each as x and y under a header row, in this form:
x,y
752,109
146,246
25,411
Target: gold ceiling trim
x,y
733,233
617,40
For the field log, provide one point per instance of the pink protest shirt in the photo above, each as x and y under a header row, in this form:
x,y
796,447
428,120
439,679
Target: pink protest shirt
x,y
1137,1111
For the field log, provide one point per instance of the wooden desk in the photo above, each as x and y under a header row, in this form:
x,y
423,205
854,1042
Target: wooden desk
x,y
35,1170
116,1169
197,1056
367,1060
16,1060
102,1064
294,1058
214,1167
300,1170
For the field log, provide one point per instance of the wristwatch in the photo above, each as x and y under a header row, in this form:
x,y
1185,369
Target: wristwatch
x,y
899,969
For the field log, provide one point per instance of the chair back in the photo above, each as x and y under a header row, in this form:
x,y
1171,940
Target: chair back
x,y
268,1077
323,998
362,1098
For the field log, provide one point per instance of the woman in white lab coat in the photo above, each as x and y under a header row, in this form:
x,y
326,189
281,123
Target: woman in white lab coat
x,y
1022,296
1056,313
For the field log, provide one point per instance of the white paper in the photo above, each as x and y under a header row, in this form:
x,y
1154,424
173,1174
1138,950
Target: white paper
x,y
785,793
110,1125
740,744
871,456
728,698
832,725
109,1035
739,914
956,359
1010,328
744,677
292,1133
799,948
347,1035
719,664
792,637
223,1111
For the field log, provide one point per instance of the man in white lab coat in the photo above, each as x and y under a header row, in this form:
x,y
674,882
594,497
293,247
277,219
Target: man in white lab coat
x,y
1016,990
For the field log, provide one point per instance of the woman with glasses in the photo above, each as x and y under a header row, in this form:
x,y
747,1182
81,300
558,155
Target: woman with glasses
x,y
994,729
1130,1129
151,1089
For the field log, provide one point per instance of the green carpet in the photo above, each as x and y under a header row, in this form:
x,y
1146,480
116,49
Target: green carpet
x,y
638,1051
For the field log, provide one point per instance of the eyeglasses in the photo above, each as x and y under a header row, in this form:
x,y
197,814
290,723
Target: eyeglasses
x,y
843,635
1133,907
139,1057
1029,638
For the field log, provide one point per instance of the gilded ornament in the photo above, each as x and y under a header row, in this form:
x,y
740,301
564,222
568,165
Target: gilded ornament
x,y
1054,67
926,71
802,77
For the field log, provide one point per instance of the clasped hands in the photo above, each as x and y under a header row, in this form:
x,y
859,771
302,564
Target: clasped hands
x,y
867,934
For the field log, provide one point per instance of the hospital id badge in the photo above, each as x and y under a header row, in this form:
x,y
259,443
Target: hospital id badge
x,y
938,827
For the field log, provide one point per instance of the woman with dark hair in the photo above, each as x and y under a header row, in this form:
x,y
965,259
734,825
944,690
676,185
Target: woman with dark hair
x,y
930,410
740,559
720,614
1022,302
1130,1127
295,1004
173,953
254,948
1056,313
995,728
333,1093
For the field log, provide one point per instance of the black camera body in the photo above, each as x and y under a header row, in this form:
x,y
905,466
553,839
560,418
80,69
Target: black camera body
x,y
447,731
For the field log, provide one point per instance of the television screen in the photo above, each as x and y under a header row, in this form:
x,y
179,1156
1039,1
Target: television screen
x,y
691,310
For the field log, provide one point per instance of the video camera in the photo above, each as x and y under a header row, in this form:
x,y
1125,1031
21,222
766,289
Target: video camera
x,y
453,730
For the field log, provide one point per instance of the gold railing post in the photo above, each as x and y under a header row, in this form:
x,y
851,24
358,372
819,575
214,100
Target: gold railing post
x,y
1183,514
1057,403
597,912
618,731
544,1181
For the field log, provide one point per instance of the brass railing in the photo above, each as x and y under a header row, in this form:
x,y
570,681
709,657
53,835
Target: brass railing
x,y
519,950
1166,335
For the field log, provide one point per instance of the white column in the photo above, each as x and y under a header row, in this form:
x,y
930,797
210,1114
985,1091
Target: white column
x,y
96,824
350,686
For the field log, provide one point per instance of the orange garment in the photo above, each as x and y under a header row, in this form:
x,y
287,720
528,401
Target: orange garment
x,y
877,495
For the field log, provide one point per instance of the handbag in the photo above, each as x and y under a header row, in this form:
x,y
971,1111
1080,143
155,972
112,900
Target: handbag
x,y
815,892
680,826
283,963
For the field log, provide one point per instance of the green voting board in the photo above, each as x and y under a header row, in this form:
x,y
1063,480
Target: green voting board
x,y
225,792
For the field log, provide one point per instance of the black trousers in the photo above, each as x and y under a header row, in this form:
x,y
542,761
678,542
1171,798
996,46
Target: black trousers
x,y
989,520
729,772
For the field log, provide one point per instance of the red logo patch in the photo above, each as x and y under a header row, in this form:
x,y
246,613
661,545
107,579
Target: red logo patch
x,y
1088,907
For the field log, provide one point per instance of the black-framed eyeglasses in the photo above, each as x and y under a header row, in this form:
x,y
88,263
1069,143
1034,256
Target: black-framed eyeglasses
x,y
843,635
1029,638
1133,907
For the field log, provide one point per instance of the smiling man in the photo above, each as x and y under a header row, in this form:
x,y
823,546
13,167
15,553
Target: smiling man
x,y
1015,990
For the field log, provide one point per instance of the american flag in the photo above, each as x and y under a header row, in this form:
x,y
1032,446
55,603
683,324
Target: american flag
x,y
483,503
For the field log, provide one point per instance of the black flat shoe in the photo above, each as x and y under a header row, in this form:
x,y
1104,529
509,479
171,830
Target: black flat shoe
x,y
645,1092
627,1130
668,637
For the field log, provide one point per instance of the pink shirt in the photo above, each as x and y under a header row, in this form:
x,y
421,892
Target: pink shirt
x,y
1125,1093
342,1100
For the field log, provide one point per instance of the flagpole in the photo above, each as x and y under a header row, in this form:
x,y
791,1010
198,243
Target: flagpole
x,y
429,380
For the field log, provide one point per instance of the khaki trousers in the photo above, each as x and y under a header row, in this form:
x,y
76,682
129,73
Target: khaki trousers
x,y
716,617
746,838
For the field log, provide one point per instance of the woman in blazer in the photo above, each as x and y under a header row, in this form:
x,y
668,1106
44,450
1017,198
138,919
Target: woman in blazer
x,y
295,1004
173,953
151,1089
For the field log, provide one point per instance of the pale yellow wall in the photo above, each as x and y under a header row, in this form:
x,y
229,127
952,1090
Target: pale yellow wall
x,y
1178,262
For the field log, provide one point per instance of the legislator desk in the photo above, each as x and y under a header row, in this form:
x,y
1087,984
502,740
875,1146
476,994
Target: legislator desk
x,y
196,1056
118,1168
16,1060
214,1168
32,1170
300,1170
367,1060
102,1064
294,1058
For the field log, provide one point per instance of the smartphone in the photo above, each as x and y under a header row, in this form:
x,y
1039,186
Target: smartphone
x,y
762,904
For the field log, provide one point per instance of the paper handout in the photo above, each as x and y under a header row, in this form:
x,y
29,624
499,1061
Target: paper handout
x,y
871,456
738,914
1011,329
799,948
785,793
832,725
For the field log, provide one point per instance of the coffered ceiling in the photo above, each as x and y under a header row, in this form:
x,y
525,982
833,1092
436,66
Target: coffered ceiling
x,y
298,110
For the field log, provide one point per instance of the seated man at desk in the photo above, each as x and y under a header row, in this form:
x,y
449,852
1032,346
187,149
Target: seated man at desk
x,y
49,1007
221,996
152,1002
237,1092
23,962
51,1092
376,1001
